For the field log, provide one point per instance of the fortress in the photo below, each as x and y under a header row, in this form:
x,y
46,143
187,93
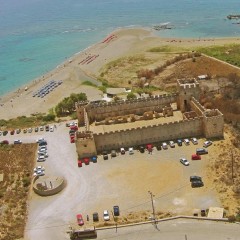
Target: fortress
x,y
128,123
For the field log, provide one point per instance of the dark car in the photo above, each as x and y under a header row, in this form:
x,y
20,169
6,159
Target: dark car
x,y
195,178
36,129
95,217
179,142
105,155
47,128
159,147
196,184
42,143
141,149
12,132
4,142
94,159
5,133
116,211
201,151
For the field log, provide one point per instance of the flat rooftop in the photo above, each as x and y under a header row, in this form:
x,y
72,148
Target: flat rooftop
x,y
177,116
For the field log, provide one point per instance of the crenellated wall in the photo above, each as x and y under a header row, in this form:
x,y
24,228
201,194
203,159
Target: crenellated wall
x,y
149,134
99,112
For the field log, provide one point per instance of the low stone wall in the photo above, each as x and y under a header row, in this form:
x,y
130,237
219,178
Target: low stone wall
x,y
50,191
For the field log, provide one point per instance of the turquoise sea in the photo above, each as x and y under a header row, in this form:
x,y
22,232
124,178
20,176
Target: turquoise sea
x,y
37,35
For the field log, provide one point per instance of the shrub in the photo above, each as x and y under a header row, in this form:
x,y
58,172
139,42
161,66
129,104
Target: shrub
x,y
26,181
232,218
49,117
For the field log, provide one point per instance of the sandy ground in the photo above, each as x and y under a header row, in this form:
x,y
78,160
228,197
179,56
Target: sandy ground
x,y
85,66
124,181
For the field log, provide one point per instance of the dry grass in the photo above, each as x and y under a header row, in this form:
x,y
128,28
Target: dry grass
x,y
16,163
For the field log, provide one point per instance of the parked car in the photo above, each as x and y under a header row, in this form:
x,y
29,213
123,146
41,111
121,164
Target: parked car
x,y
17,141
207,144
74,128
122,151
40,140
194,141
95,217
67,124
196,183
25,131
186,141
43,154
4,142
116,211
106,216
51,129
195,178
80,220
42,143
158,147
39,173
201,151
12,132
179,142
164,146
5,133
184,161
36,129
29,130
18,131
79,163
172,144
86,161
149,147
105,155
46,128
72,139
41,159
196,157
113,153
41,128
130,150
141,149
94,159
38,168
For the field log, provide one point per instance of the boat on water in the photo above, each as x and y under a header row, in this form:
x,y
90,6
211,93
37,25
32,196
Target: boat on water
x,y
233,16
162,26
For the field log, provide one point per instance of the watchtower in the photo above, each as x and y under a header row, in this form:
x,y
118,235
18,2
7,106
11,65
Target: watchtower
x,y
80,110
186,90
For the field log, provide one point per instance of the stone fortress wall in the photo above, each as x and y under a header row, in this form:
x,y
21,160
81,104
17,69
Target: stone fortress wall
x,y
196,121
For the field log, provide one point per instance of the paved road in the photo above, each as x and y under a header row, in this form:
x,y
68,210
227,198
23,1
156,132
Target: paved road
x,y
182,229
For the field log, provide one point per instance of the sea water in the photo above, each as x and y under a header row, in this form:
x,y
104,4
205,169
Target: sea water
x,y
37,35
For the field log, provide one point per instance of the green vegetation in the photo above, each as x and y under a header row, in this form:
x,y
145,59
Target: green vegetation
x,y
105,85
27,122
131,95
88,83
166,49
67,105
227,53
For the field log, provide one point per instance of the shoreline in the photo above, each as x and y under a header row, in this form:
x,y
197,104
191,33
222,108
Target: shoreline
x,y
85,66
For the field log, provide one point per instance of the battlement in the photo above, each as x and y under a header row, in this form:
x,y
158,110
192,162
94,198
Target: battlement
x,y
126,130
188,83
131,101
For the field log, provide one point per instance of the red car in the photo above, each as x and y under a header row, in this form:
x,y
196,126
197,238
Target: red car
x,y
196,157
72,140
75,128
80,220
12,132
4,142
79,163
86,161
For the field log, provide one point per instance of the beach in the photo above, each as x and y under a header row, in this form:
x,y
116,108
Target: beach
x,y
86,66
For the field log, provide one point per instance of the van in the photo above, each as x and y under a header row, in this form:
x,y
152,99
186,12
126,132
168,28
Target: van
x,y
201,151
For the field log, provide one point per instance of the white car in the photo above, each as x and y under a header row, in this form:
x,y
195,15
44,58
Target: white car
x,y
106,216
172,144
42,148
131,151
41,128
41,159
184,161
43,154
39,168
186,141
207,144
122,150
194,141
164,146
17,142
51,129
39,173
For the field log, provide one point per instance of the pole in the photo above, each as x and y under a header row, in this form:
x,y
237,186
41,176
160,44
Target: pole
x,y
232,166
154,216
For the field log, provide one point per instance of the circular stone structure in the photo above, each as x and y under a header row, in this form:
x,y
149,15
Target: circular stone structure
x,y
47,186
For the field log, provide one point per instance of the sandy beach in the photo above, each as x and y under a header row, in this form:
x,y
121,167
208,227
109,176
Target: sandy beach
x,y
86,65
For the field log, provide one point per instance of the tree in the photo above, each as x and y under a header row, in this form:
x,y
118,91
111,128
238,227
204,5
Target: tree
x,y
131,95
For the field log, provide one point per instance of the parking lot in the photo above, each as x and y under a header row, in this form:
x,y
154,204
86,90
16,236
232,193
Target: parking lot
x,y
123,180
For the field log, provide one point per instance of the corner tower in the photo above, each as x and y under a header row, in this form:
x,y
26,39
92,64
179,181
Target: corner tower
x,y
187,89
